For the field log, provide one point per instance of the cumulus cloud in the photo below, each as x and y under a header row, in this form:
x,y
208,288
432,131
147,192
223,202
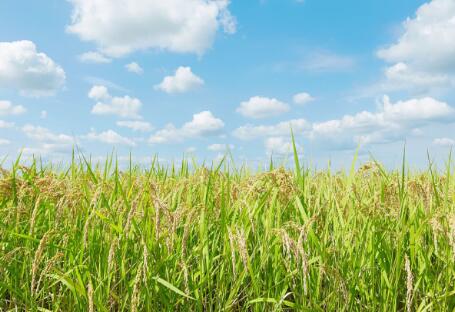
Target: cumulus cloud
x,y
6,124
4,142
444,142
126,106
217,147
121,27
302,98
31,72
49,142
135,125
391,122
94,57
7,108
262,107
134,68
281,146
250,132
202,124
109,137
182,81
423,54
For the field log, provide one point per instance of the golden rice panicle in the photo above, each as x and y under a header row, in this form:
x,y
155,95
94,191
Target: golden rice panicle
x,y
37,259
136,290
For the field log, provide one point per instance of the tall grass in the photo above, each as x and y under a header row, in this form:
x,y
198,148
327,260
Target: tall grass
x,y
95,238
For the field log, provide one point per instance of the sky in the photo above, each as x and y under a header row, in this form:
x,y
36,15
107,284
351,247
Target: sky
x,y
197,78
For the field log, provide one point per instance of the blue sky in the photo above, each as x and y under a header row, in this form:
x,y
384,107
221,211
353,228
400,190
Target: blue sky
x,y
195,77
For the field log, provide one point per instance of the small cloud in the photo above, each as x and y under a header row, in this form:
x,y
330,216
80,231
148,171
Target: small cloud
x,y
7,108
262,107
326,61
109,137
220,147
94,57
134,68
4,142
183,81
202,124
43,114
302,98
135,125
191,150
444,142
126,106
6,125
280,146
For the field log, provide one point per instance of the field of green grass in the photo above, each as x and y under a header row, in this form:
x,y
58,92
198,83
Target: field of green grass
x,y
95,238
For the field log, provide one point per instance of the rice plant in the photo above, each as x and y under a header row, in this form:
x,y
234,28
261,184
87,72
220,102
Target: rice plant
x,y
91,237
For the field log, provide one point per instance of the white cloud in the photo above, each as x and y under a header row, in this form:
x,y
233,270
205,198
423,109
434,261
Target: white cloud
x,y
250,132
121,27
7,108
202,124
33,73
94,57
326,61
391,122
5,124
99,93
280,146
191,150
402,76
49,142
4,142
302,98
220,147
109,137
262,107
183,80
45,135
444,142
135,125
126,106
134,68
43,114
423,56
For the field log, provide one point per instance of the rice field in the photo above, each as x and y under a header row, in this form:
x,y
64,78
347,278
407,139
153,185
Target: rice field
x,y
92,237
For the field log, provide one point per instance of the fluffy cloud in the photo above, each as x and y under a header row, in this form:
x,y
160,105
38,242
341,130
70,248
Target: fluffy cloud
x,y
94,57
4,142
424,53
326,61
48,141
183,80
7,108
261,107
202,124
444,142
5,124
33,73
302,98
250,132
121,27
126,107
280,146
109,137
391,122
134,68
220,147
135,125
